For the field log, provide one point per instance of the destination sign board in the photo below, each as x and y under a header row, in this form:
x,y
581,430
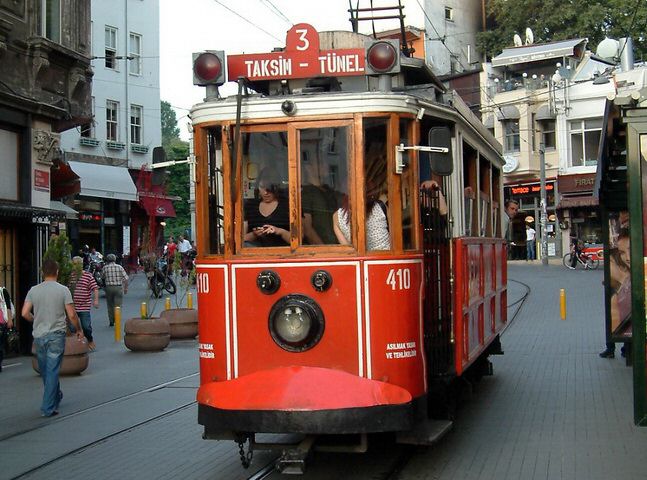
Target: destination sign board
x,y
300,59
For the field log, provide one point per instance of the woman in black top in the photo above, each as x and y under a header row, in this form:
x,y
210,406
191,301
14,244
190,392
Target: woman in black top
x,y
267,218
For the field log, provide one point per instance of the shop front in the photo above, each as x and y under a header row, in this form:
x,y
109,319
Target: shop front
x,y
528,195
103,207
578,212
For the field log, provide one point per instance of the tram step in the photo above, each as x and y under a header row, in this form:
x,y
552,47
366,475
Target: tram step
x,y
425,433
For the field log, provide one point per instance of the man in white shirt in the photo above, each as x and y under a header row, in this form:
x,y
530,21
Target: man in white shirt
x,y
183,245
530,242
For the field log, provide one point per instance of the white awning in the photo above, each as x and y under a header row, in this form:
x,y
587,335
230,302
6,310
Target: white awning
x,y
540,51
70,213
105,181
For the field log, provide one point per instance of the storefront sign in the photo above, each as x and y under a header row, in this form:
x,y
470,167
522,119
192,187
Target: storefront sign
x,y
41,180
576,183
90,217
530,188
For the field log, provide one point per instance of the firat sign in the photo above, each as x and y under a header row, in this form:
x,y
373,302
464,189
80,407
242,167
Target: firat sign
x,y
300,59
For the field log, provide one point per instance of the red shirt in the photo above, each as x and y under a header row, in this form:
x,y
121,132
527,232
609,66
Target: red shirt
x,y
83,292
170,248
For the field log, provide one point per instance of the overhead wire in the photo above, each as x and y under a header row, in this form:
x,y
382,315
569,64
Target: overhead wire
x,y
248,21
276,11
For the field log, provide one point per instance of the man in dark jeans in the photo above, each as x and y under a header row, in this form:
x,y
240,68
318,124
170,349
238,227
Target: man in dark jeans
x,y
51,303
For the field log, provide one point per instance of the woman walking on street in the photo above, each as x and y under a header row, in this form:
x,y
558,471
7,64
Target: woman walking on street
x,y
85,293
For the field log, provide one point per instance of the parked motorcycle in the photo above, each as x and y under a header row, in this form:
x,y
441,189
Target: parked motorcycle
x,y
96,269
161,279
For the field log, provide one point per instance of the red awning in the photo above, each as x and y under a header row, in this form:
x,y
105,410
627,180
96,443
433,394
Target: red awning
x,y
157,207
65,181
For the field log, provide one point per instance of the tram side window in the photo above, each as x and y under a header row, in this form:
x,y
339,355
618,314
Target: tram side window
x,y
264,174
378,235
324,155
215,196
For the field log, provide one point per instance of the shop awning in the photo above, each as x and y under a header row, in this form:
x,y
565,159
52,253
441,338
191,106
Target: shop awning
x,y
540,51
65,181
508,112
35,214
70,213
581,201
157,206
544,113
105,181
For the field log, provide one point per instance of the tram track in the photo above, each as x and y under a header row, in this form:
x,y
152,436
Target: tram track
x,y
121,398
102,439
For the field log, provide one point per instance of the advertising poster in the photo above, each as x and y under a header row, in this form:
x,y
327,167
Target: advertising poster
x,y
620,274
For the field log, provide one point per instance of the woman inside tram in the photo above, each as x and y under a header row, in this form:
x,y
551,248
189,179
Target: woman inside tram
x,y
267,217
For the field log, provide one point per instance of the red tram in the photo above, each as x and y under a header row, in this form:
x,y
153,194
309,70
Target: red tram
x,y
337,296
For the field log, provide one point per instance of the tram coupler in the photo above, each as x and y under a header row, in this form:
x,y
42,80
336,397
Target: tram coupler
x,y
293,461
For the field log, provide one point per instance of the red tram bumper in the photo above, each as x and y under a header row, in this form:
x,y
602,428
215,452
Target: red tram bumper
x,y
304,400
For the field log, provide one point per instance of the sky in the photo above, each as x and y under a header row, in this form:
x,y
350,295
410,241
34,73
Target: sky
x,y
244,26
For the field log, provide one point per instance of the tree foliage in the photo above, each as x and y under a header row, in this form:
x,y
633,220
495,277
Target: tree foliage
x,y
59,249
170,130
178,178
553,20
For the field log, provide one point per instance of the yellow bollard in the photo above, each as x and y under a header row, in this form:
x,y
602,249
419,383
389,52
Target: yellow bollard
x,y
167,303
562,303
117,324
189,300
143,310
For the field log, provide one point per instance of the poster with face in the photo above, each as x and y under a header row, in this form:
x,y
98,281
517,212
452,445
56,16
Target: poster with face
x,y
620,274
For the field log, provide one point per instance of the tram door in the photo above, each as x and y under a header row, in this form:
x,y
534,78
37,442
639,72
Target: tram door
x,y
437,303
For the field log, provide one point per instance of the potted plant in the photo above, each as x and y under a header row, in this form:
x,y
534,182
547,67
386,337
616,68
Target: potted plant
x,y
146,333
182,320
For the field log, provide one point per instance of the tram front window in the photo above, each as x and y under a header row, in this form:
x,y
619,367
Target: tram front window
x,y
323,154
266,221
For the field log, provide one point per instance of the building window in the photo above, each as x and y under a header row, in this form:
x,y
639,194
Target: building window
x,y
51,20
136,114
111,47
511,132
87,129
449,14
112,120
548,134
585,138
135,54
10,148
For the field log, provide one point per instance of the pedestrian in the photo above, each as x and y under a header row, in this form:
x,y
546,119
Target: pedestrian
x,y
85,293
184,248
47,305
171,247
116,285
511,208
530,242
6,319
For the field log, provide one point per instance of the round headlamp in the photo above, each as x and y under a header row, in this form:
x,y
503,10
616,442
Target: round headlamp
x,y
296,323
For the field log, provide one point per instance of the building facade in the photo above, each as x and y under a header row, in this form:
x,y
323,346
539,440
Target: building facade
x,y
109,151
551,95
451,28
45,84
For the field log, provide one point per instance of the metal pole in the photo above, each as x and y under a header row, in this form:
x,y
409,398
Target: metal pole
x,y
542,205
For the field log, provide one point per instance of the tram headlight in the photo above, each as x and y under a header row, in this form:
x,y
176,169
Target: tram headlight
x,y
382,56
268,282
296,323
208,68
321,280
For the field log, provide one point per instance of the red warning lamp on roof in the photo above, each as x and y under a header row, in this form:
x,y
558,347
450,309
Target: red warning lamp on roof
x,y
208,68
383,57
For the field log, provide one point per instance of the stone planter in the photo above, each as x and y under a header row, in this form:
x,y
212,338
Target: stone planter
x,y
183,322
147,334
75,357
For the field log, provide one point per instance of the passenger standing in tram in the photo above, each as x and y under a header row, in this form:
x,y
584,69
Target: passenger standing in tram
x,y
318,202
377,223
511,209
51,303
267,218
433,186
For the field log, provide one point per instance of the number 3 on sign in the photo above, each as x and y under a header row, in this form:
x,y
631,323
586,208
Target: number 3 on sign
x,y
399,279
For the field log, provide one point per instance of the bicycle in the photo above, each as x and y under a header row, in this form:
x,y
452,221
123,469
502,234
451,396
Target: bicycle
x,y
584,259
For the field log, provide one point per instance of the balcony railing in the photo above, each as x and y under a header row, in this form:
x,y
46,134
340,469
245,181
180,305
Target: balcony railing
x,y
115,145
